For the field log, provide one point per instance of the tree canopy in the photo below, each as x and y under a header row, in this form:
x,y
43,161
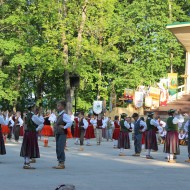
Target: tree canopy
x,y
107,43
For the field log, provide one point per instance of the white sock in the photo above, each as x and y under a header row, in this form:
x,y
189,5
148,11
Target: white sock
x,y
143,146
121,150
168,156
88,141
148,152
27,160
171,156
76,140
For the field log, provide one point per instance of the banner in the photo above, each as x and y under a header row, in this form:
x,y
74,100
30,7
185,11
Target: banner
x,y
97,107
172,83
154,93
138,100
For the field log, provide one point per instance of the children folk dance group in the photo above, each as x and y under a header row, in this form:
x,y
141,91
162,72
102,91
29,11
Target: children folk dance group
x,y
99,127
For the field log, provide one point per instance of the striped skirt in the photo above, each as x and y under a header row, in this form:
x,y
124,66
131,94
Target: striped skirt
x,y
123,140
172,143
2,144
150,140
30,146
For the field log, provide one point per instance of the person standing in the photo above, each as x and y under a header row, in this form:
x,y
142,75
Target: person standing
x,y
116,131
63,122
171,145
83,125
109,128
11,125
33,125
18,123
76,129
139,127
187,131
150,134
4,120
99,129
89,134
123,140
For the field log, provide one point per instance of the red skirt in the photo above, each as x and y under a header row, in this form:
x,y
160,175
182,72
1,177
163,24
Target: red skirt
x,y
76,132
69,134
5,129
89,134
150,140
21,131
171,144
143,138
47,131
116,133
2,144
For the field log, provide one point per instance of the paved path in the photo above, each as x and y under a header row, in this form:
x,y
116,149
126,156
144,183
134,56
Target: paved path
x,y
96,168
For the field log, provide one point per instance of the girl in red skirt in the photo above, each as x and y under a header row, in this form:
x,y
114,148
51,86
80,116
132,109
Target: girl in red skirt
x,y
76,129
3,121
116,132
47,130
89,134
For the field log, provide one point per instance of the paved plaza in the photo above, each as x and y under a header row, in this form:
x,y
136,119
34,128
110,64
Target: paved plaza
x,y
96,168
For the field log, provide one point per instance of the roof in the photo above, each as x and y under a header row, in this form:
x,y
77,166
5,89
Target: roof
x,y
182,32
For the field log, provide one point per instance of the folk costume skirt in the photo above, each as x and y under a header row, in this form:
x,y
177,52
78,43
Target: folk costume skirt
x,y
123,140
172,143
30,146
2,144
151,140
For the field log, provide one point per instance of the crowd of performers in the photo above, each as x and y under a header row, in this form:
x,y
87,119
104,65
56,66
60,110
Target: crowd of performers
x,y
146,133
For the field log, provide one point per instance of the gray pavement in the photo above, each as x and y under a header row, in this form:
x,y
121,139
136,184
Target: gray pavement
x,y
96,168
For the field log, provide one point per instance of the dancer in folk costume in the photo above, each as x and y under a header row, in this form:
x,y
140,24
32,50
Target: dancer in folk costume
x,y
83,125
116,131
17,124
105,119
143,136
76,129
187,131
33,125
109,129
89,134
47,130
63,122
150,135
139,128
11,125
123,140
99,127
4,120
171,146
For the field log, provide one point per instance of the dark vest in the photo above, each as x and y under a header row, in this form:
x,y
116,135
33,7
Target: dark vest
x,y
109,125
30,125
57,129
81,124
149,126
122,126
99,124
137,127
170,125
47,121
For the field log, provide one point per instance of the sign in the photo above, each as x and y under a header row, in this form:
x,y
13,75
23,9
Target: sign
x,y
154,93
97,107
138,100
172,83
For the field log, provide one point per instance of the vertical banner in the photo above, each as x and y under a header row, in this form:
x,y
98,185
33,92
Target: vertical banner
x,y
97,107
172,83
154,93
138,100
